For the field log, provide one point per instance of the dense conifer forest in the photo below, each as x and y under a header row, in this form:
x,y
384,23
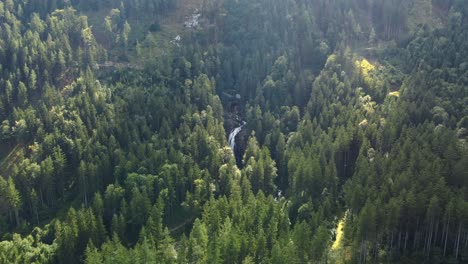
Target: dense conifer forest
x,y
233,131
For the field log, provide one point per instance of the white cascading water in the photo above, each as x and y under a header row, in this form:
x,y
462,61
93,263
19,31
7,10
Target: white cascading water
x,y
232,136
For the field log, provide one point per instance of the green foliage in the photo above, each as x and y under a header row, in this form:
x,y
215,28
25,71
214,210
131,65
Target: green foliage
x,y
128,163
29,249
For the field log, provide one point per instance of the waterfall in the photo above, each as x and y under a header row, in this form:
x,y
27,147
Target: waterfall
x,y
232,137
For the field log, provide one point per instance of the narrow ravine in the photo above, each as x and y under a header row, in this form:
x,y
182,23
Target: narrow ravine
x,y
232,137
232,142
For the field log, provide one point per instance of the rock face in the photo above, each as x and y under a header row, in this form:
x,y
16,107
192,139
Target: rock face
x,y
193,20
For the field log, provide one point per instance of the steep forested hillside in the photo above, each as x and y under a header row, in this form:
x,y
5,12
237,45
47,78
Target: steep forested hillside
x,y
347,123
